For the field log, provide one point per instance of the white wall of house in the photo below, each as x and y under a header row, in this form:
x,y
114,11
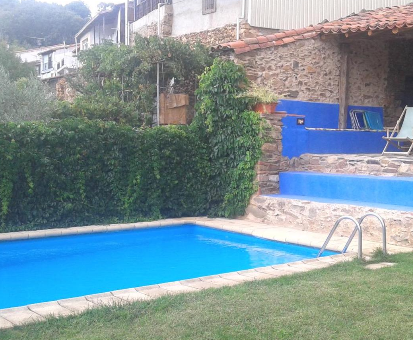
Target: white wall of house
x,y
188,17
290,14
62,60
98,33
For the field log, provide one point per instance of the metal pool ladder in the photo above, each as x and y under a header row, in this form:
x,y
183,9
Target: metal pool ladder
x,y
358,228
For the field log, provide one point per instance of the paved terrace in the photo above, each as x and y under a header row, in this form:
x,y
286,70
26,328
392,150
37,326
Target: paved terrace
x,y
37,312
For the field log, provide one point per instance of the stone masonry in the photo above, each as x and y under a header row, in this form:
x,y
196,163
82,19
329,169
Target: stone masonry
x,y
272,162
320,217
306,70
368,69
220,35
210,37
309,70
376,165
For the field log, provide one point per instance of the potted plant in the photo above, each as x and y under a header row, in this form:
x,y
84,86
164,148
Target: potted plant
x,y
263,99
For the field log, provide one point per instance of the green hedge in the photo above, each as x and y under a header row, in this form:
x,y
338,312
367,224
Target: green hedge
x,y
78,172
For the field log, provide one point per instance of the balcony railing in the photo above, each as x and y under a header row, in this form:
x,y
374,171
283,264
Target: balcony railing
x,y
147,6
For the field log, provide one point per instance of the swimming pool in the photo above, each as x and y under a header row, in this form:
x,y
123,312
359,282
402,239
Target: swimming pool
x,y
53,268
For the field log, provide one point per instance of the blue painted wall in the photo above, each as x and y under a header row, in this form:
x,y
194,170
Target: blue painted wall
x,y
368,189
317,115
297,140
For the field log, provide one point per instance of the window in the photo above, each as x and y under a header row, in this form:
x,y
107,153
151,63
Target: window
x,y
85,44
50,61
209,6
47,62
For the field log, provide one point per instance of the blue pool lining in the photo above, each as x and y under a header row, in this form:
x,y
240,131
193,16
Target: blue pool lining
x,y
19,315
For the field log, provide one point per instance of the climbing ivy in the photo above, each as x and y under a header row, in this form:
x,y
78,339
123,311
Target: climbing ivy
x,y
233,135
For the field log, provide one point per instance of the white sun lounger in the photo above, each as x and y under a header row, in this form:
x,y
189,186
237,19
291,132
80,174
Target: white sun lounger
x,y
401,137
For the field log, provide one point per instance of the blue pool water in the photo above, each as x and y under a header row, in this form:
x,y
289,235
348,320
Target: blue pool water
x,y
48,269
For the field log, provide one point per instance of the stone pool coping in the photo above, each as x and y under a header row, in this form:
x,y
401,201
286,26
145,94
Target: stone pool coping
x,y
11,317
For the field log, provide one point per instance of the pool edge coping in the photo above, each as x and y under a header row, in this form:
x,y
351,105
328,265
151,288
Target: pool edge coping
x,y
14,316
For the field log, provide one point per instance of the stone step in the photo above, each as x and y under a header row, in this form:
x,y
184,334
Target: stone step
x,y
320,216
362,189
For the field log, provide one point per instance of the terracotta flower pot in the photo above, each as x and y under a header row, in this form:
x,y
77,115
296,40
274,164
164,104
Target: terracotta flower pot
x,y
265,108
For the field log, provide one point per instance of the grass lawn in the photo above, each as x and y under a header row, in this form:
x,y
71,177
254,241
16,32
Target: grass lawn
x,y
346,301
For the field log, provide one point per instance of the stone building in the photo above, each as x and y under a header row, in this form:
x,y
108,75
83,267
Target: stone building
x,y
318,166
368,54
324,71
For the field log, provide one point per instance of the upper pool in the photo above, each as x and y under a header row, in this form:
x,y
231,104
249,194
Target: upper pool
x,y
54,268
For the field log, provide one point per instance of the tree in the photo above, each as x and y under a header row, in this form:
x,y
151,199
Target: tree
x,y
25,99
118,83
30,22
79,8
15,67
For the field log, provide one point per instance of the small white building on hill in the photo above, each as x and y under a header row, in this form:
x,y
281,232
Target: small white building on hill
x,y
51,61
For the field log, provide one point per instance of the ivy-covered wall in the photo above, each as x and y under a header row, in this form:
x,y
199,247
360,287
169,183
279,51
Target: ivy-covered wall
x,y
78,172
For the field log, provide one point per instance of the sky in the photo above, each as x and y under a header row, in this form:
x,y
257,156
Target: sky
x,y
92,4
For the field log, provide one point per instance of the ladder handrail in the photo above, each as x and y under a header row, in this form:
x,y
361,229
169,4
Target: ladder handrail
x,y
361,219
357,227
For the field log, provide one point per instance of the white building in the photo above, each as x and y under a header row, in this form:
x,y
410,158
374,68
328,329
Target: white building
x,y
57,61
107,25
50,61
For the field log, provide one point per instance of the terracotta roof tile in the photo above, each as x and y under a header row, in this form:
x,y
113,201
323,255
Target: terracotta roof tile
x,y
262,39
383,18
237,44
271,37
242,50
290,33
279,35
251,41
301,30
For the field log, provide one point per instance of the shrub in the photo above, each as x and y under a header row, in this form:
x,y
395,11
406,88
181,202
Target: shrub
x,y
78,172
233,134
25,99
118,83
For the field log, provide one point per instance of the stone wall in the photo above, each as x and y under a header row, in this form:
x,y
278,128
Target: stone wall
x,y
368,70
320,217
64,91
376,165
400,67
272,162
307,70
150,28
222,35
211,37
